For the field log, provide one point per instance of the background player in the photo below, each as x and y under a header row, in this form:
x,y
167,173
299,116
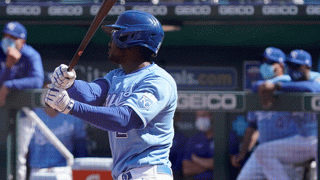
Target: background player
x,y
198,161
302,147
135,103
271,125
20,68
43,157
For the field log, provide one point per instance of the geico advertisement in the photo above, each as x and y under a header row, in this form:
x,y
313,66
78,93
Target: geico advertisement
x,y
311,102
204,78
211,101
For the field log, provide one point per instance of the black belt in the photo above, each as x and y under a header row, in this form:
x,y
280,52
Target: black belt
x,y
160,169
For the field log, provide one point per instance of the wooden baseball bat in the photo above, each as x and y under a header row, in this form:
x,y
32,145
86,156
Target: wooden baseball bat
x,y
100,16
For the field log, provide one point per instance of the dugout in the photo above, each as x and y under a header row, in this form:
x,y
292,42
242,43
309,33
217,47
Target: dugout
x,y
224,115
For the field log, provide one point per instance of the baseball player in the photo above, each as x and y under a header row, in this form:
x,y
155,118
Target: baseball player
x,y
271,125
135,103
302,147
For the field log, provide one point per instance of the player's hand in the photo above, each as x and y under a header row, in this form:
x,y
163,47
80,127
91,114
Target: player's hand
x,y
62,78
236,159
13,57
59,99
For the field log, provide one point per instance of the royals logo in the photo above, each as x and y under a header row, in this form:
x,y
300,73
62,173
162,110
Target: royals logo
x,y
146,100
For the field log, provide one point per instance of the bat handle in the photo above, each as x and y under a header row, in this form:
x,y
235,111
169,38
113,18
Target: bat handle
x,y
75,58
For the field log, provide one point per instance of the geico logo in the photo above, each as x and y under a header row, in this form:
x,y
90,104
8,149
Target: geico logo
x,y
313,10
23,10
115,10
65,10
192,10
279,10
209,101
315,103
154,10
236,10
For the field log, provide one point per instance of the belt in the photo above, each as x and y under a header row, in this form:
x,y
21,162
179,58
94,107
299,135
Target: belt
x,y
160,169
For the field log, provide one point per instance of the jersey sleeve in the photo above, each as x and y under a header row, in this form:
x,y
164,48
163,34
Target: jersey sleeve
x,y
301,86
150,98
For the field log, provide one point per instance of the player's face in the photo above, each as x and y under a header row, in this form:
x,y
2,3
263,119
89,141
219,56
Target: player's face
x,y
299,72
18,42
116,55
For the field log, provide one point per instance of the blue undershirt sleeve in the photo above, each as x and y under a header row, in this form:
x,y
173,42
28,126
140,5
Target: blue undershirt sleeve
x,y
119,119
93,93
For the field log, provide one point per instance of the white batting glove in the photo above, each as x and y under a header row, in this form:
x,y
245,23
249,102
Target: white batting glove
x,y
59,99
62,78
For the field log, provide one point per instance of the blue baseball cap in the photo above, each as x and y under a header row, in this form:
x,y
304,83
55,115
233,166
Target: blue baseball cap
x,y
299,57
274,54
15,29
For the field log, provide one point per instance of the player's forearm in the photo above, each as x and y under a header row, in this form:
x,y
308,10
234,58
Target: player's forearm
x,y
247,140
207,163
120,119
190,168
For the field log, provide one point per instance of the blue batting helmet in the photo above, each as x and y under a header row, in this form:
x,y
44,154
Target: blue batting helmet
x,y
274,55
15,29
136,28
299,57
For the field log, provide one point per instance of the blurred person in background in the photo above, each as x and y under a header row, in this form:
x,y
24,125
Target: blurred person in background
x,y
235,142
271,125
198,160
43,157
21,65
176,151
20,68
302,147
